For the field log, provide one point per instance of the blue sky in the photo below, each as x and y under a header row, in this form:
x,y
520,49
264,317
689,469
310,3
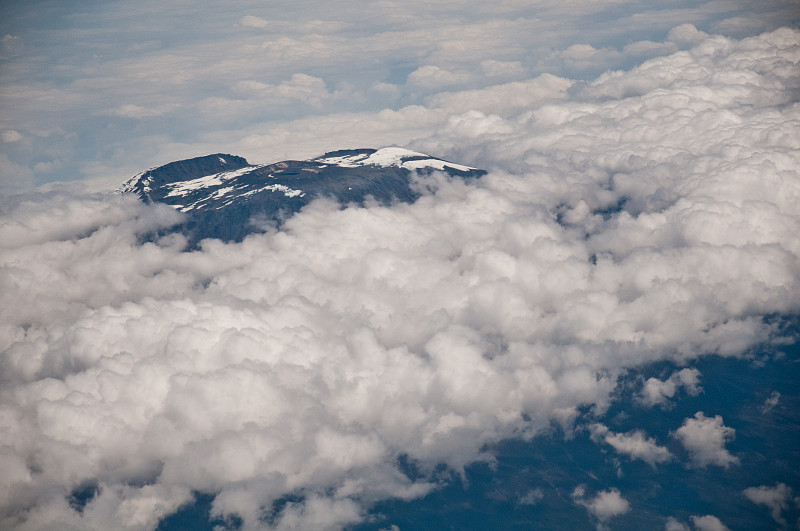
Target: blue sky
x,y
621,286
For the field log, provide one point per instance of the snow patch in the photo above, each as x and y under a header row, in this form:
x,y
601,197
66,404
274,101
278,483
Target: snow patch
x,y
216,179
130,185
218,194
392,156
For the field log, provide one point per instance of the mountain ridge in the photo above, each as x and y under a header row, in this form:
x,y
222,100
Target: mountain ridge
x,y
222,194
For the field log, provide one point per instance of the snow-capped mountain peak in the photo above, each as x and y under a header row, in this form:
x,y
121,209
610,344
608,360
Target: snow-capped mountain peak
x,y
222,193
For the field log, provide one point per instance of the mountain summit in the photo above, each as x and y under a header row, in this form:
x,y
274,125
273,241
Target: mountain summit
x,y
223,194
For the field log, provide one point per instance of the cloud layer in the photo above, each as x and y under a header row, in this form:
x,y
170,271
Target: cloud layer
x,y
648,215
105,89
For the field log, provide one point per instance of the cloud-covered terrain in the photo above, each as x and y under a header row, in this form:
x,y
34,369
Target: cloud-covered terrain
x,y
642,206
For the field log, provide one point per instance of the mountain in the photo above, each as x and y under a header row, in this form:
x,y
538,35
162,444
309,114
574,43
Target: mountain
x,y
228,198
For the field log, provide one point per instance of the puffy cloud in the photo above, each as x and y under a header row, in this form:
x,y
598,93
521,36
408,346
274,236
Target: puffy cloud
x,y
10,45
686,35
253,22
739,26
704,438
46,167
504,99
606,505
770,403
11,136
156,373
130,110
776,499
318,513
700,523
494,68
616,227
581,57
301,87
675,525
635,444
658,392
653,74
430,76
708,523
532,497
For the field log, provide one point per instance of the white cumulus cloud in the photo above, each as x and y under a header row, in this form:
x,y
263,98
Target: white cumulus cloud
x,y
605,505
636,444
251,21
776,499
658,392
674,524
131,110
705,438
708,523
431,76
700,523
11,136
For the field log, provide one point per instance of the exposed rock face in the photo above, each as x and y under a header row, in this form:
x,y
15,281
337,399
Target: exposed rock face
x,y
223,194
